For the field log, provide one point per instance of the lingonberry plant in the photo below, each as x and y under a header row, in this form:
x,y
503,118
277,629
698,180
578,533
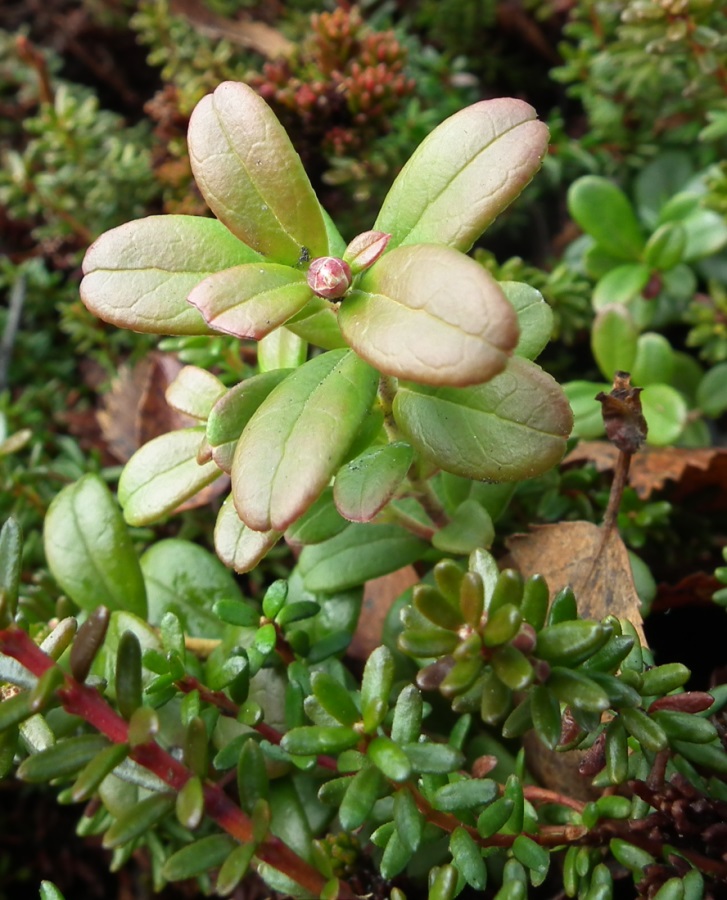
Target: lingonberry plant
x,y
392,377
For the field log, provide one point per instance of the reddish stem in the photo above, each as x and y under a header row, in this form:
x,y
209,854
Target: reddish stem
x,y
87,702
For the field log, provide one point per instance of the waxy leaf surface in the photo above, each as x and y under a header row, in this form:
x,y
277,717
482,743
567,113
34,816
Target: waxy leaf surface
x,y
89,550
163,474
535,318
251,176
238,546
139,275
232,412
464,174
511,428
299,437
367,483
194,392
432,315
252,300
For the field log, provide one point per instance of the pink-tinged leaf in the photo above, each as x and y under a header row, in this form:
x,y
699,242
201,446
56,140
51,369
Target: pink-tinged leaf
x,y
298,438
464,174
194,392
251,301
432,315
366,484
232,412
238,546
251,176
162,475
512,428
365,249
138,275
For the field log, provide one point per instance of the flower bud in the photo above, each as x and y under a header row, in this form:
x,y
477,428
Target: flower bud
x,y
365,249
329,277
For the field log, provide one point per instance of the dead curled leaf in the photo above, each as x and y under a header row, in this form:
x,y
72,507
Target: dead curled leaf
x,y
695,470
595,566
622,415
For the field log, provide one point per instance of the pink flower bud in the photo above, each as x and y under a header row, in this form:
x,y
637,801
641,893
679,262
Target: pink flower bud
x,y
329,277
365,249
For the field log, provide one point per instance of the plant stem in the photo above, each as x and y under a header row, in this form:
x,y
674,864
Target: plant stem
x,y
620,476
86,702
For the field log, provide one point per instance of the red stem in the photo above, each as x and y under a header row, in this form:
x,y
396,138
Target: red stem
x,y
87,702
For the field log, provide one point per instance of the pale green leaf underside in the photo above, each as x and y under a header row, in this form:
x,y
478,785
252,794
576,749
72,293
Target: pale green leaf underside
x,y
194,392
89,550
238,546
317,323
252,300
464,174
251,176
138,276
535,318
512,428
163,474
432,315
298,438
366,484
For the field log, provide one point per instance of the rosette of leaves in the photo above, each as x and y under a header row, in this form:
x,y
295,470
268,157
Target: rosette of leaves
x,y
646,256
420,361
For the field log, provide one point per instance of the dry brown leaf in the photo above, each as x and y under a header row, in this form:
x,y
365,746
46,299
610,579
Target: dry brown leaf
x,y
379,595
652,467
695,589
257,36
576,554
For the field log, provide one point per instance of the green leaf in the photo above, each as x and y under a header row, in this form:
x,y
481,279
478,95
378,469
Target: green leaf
x,y
378,677
49,891
533,857
408,820
389,758
706,234
238,546
139,275
198,857
162,474
310,740
184,578
467,857
433,759
194,392
654,360
604,211
229,416
621,285
396,856
366,484
298,438
659,180
534,315
712,391
11,549
545,710
613,340
470,527
319,522
407,716
361,794
317,323
89,550
511,428
666,246
252,300
494,817
665,411
570,643
432,315
234,869
66,757
357,554
252,178
645,729
588,418
465,794
335,698
281,349
463,174
576,689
